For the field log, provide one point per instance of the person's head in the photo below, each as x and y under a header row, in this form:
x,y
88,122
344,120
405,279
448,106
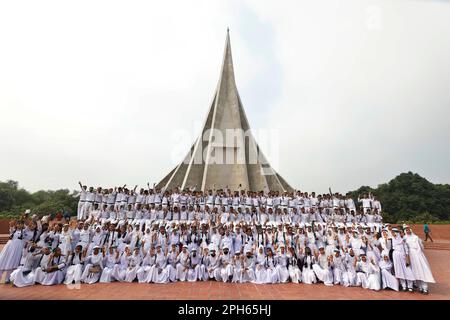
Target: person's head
x,y
395,232
351,252
386,258
78,248
213,252
321,250
363,257
184,249
194,252
57,252
226,250
96,250
307,251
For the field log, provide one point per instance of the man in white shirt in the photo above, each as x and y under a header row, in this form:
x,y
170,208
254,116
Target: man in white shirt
x,y
81,201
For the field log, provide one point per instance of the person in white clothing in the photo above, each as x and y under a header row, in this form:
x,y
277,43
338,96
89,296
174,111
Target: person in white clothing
x,y
419,263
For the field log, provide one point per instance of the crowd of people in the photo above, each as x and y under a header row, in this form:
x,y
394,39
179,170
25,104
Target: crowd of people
x,y
161,236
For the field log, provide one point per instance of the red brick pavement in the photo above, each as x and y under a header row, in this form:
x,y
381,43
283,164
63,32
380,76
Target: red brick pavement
x,y
439,260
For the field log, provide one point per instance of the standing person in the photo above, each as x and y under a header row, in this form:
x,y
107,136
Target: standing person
x,y
419,263
11,254
366,202
81,201
427,231
401,261
134,262
89,203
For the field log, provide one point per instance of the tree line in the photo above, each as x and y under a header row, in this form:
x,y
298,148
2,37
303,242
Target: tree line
x,y
408,197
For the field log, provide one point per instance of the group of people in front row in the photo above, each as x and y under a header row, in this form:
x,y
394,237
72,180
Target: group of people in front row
x,y
237,241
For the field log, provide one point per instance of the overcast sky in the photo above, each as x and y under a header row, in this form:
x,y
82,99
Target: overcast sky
x,y
359,91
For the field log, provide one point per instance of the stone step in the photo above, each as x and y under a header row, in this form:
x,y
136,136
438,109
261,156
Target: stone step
x,y
437,246
4,238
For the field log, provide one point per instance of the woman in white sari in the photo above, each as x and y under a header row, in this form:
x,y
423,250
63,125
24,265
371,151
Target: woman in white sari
x,y
160,272
148,261
109,261
282,264
401,261
134,262
194,266
248,267
75,263
419,263
238,267
183,264
24,275
294,271
65,241
94,267
172,263
55,271
271,267
11,254
120,269
367,273
96,240
260,269
387,278
308,275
